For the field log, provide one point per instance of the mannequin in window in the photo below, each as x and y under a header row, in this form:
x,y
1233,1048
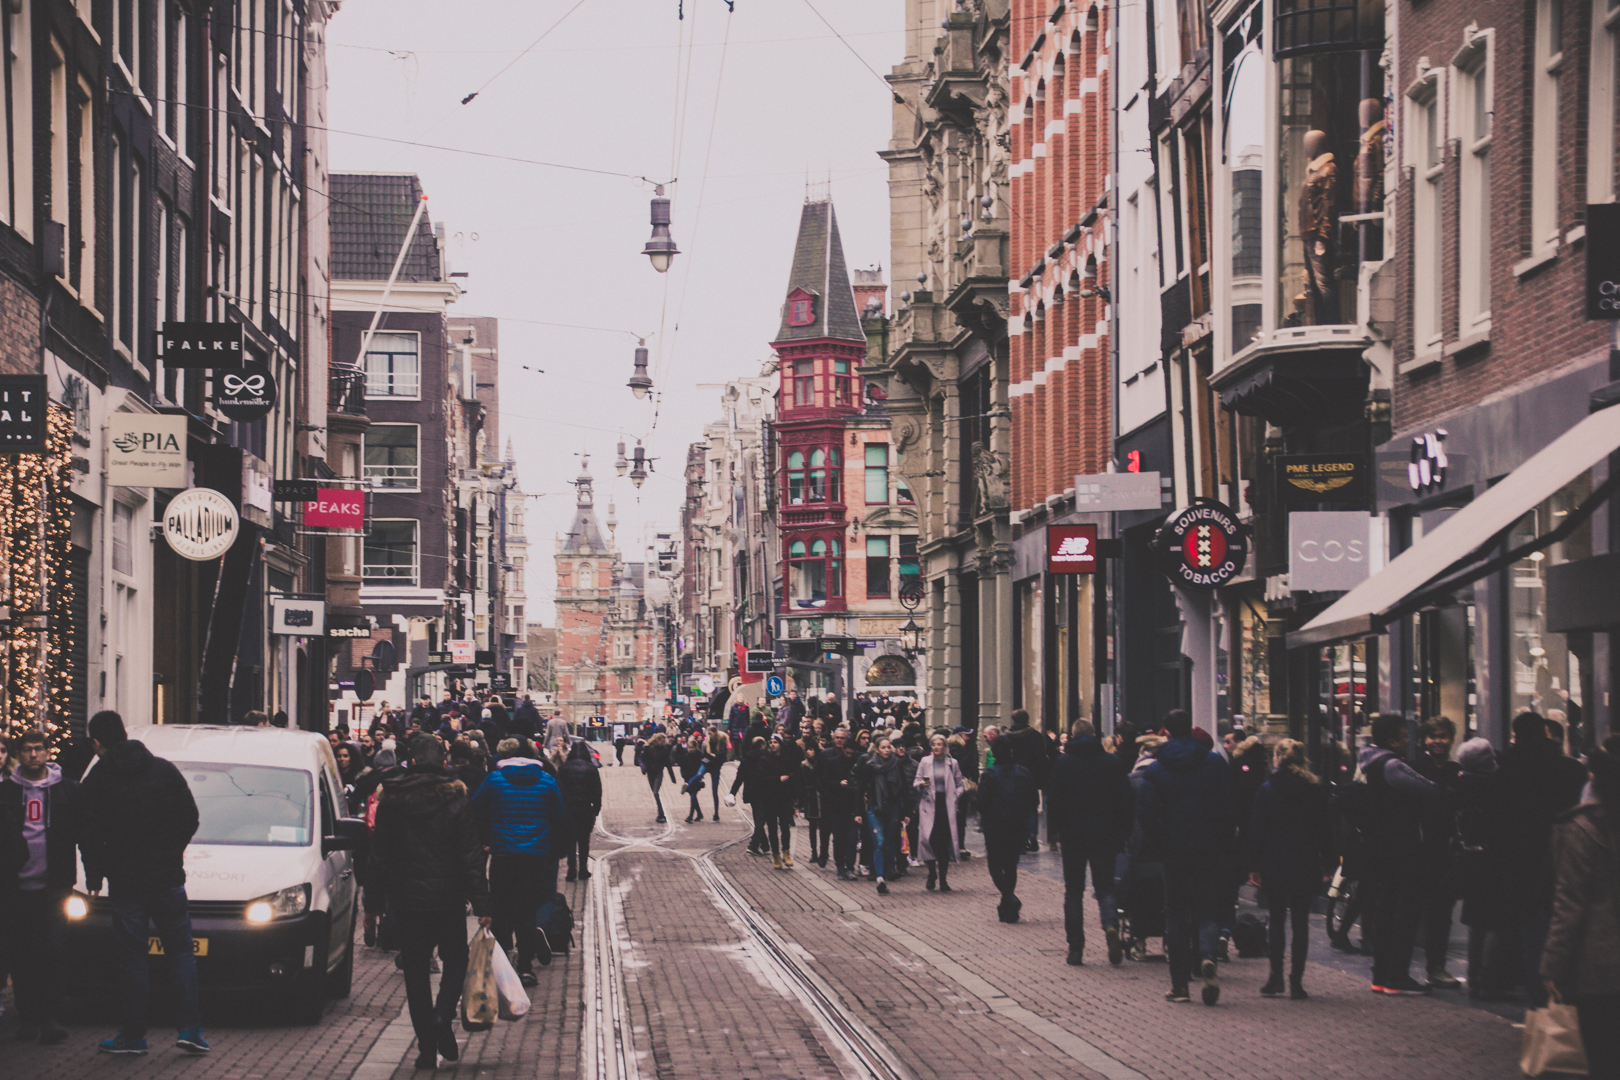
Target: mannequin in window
x,y
1318,221
1370,158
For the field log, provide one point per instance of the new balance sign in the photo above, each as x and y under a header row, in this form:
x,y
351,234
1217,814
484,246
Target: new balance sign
x,y
1071,549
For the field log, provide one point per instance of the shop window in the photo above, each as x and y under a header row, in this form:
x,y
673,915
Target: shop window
x,y
877,566
391,456
390,554
877,473
393,366
795,478
804,382
1551,672
1473,81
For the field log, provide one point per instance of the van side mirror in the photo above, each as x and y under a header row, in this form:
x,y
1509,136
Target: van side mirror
x,y
348,833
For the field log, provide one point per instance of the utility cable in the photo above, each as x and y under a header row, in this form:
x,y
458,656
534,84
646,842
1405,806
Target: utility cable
x,y
524,53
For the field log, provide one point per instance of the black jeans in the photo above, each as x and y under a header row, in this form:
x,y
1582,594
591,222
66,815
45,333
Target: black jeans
x,y
1192,894
1295,904
420,933
1439,901
1600,1032
1396,907
778,827
714,789
844,834
1001,852
518,885
579,847
37,925
757,842
1076,860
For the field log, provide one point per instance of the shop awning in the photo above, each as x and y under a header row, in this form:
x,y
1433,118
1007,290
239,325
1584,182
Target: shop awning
x,y
1368,607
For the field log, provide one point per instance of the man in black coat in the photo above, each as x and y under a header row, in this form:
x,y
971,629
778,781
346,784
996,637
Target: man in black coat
x,y
1007,798
427,853
141,816
1029,749
41,826
839,788
525,720
1090,800
1439,826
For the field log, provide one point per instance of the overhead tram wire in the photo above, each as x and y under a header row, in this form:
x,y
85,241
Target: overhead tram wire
x,y
666,357
466,100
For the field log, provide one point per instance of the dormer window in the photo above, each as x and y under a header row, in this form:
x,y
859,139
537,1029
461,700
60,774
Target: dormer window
x,y
801,310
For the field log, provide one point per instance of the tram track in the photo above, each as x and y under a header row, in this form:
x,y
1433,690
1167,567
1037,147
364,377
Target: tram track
x,y
607,1046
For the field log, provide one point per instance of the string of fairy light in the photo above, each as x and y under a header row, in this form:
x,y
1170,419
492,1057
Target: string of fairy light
x,y
36,524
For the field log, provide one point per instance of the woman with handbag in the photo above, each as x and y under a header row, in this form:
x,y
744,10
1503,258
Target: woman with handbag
x,y
1580,963
939,786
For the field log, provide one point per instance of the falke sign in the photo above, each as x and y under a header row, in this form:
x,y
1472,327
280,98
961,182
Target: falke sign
x,y
1071,549
201,345
1203,546
337,508
1318,478
146,450
22,414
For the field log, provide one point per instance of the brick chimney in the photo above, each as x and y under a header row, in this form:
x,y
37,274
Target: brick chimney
x,y
869,287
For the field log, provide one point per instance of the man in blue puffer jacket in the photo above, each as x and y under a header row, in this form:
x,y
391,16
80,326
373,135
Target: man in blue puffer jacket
x,y
524,823
1188,817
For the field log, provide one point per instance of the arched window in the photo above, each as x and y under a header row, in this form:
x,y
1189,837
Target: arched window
x,y
835,476
815,572
843,389
587,580
795,478
817,491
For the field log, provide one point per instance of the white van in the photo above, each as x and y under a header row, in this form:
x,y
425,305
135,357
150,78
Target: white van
x,y
269,873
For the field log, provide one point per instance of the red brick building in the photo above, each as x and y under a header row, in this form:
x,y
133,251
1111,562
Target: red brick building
x,y
606,637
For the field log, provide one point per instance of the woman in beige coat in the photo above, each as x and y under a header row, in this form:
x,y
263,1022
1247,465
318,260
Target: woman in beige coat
x,y
939,787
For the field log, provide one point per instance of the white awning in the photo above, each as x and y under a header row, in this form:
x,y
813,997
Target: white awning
x,y
1365,609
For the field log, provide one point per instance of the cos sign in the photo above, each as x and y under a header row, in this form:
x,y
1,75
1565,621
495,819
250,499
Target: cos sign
x,y
1202,547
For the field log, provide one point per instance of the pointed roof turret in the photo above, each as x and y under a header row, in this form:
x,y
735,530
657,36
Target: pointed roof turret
x,y
585,535
821,277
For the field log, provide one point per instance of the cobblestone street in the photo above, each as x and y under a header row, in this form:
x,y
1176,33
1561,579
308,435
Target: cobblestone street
x,y
695,959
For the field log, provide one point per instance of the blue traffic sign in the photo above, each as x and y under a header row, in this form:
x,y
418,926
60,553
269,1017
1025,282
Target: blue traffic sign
x,y
774,686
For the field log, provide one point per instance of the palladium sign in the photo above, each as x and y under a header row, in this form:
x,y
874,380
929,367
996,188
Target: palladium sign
x,y
200,524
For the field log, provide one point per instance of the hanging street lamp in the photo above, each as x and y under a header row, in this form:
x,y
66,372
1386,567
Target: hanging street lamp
x,y
620,463
660,249
641,382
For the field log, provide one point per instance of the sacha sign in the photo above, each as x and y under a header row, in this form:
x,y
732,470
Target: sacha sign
x,y
1202,546
1071,549
337,508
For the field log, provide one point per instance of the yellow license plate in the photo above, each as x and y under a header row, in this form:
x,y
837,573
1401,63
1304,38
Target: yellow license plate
x,y
199,946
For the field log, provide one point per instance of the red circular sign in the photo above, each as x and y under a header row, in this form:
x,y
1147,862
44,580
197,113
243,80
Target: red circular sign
x,y
1204,547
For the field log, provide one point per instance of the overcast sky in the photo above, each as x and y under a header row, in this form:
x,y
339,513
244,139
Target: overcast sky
x,y
547,245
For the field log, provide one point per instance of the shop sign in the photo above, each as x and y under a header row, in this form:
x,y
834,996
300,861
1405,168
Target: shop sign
x,y
298,618
1118,491
1603,261
759,661
500,680
146,450
843,645
348,627
484,659
1071,549
1427,463
201,524
22,414
303,491
1202,546
202,345
1329,551
337,508
1317,478
462,652
247,394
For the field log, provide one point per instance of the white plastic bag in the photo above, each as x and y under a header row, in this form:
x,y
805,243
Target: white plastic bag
x,y
731,800
513,996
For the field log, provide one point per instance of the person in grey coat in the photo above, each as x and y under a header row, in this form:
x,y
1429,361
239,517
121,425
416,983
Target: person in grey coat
x,y
939,785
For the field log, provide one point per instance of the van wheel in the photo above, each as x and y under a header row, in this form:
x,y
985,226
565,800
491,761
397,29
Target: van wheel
x,y
341,981
308,1001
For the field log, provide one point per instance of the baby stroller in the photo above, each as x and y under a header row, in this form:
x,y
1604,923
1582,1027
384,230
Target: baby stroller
x,y
1141,904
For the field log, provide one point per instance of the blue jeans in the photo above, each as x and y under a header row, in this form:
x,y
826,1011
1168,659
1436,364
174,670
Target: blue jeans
x,y
885,839
166,913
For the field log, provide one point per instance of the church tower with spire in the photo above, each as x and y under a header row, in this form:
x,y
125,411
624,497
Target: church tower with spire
x,y
605,637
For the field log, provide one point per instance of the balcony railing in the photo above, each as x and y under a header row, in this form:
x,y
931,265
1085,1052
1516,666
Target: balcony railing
x,y
391,573
346,391
398,477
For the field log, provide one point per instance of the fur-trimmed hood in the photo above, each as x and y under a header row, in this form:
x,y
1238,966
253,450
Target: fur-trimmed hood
x,y
424,791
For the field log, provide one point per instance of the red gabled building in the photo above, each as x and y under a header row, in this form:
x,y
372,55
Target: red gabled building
x,y
819,350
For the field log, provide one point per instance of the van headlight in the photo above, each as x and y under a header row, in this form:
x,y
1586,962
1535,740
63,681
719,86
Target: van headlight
x,y
77,907
285,904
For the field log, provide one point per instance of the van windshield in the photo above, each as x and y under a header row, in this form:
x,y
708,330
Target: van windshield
x,y
250,804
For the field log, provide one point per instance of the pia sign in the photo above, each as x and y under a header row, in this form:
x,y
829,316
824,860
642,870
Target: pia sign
x,y
1071,549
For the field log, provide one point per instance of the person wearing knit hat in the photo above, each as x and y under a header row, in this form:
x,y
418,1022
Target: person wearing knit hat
x,y
1477,756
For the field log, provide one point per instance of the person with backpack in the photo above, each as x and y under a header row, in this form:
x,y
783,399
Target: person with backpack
x,y
1090,802
1389,814
524,824
1008,797
1290,838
